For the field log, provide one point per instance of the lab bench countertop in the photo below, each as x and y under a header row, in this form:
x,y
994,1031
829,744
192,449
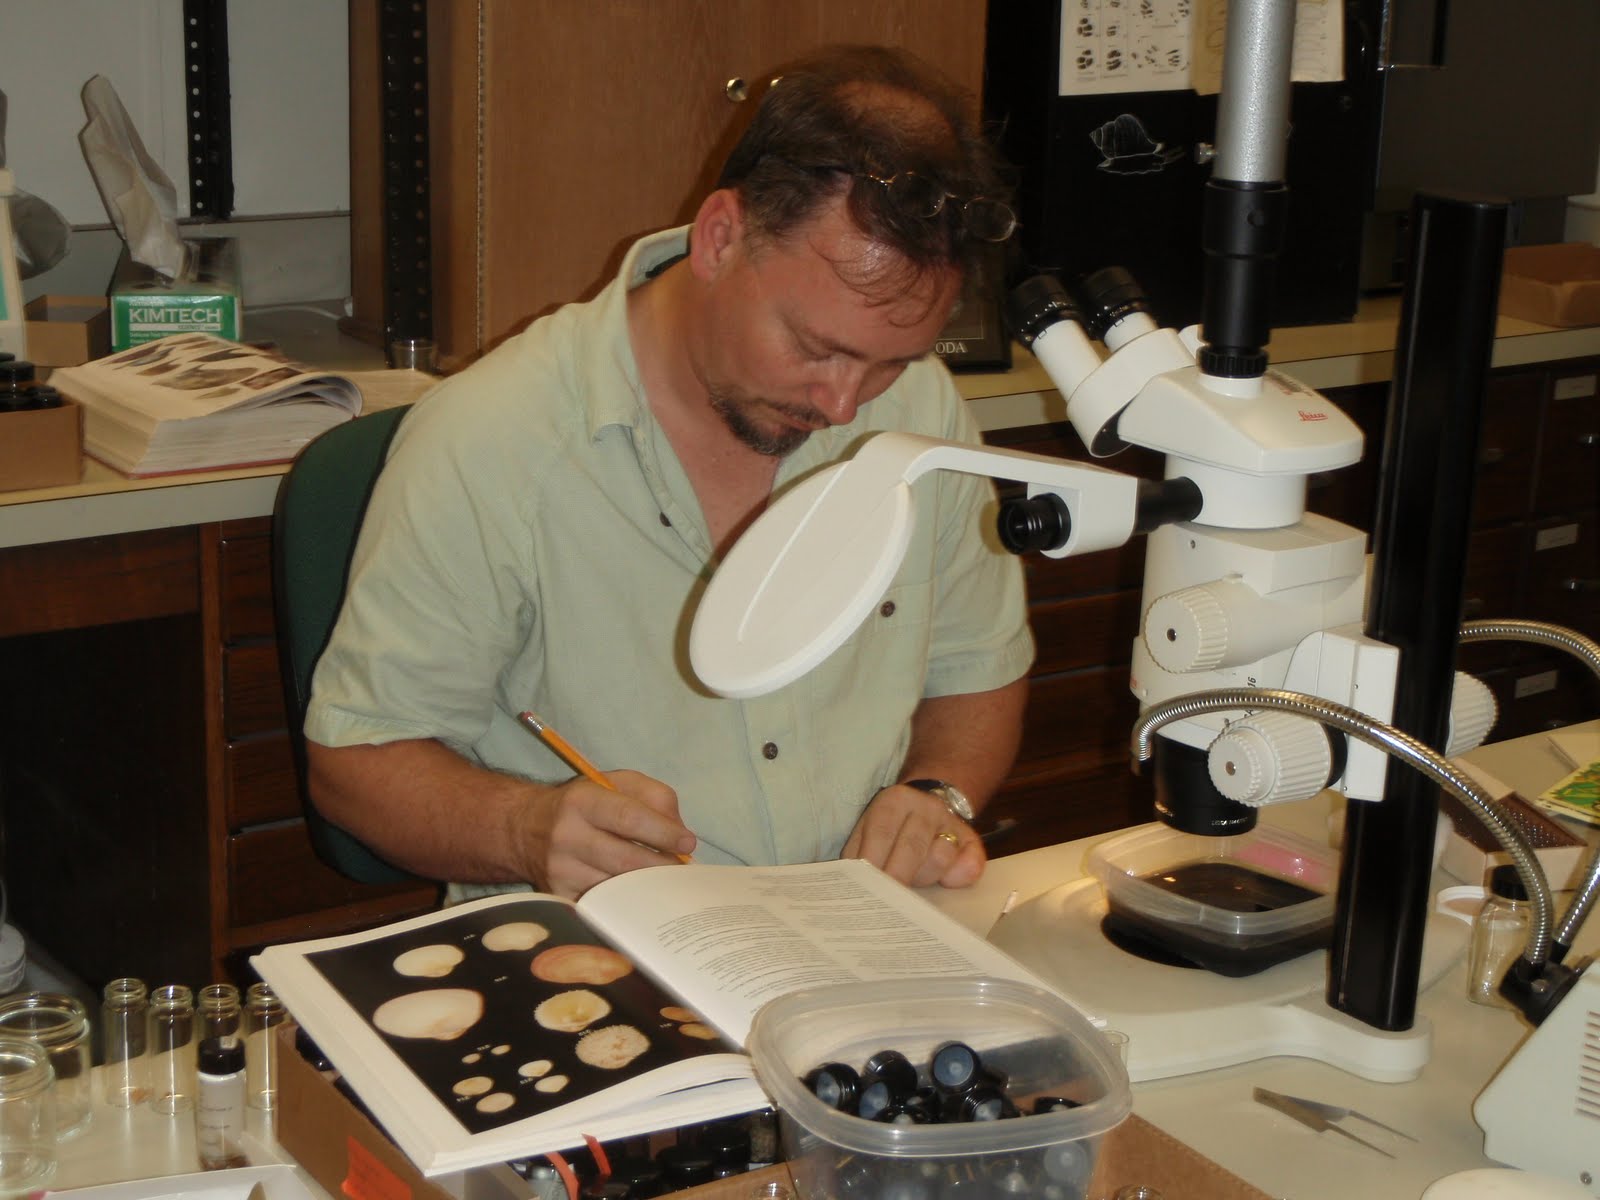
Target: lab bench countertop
x,y
1214,1111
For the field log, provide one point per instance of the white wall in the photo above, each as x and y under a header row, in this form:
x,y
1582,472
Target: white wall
x,y
290,110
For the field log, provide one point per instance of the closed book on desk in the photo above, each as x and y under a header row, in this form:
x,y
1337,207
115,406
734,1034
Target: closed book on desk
x,y
518,1024
195,402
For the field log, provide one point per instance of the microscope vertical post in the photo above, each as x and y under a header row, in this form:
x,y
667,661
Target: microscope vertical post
x,y
1419,547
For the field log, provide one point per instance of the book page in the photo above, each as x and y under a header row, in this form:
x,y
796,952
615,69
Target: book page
x,y
728,939
501,1025
190,376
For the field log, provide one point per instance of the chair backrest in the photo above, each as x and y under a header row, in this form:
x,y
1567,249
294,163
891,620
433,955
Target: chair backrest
x,y
320,506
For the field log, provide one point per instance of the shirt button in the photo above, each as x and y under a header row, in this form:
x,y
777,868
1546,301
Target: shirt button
x,y
664,520
770,750
886,609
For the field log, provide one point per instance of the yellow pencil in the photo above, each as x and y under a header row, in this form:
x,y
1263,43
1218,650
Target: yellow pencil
x,y
570,755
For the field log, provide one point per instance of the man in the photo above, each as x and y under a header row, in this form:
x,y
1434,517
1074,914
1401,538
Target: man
x,y
547,520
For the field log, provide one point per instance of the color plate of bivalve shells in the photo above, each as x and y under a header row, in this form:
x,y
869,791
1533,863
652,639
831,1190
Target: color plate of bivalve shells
x,y
508,1011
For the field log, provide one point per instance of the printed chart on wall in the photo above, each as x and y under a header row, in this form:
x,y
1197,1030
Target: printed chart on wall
x,y
1110,46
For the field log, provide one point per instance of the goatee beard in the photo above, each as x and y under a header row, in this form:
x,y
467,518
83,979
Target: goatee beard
x,y
773,443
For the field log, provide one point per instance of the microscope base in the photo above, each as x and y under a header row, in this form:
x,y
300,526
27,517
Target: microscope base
x,y
1181,1020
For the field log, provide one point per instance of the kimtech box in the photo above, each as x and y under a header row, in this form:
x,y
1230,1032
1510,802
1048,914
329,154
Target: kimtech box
x,y
205,299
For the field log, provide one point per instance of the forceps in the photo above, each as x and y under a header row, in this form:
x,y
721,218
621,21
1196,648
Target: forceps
x,y
1315,1115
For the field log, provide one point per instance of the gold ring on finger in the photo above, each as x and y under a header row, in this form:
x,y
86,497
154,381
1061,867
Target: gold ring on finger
x,y
947,836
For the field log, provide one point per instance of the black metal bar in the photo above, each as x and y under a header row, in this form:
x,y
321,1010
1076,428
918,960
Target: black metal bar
x,y
209,108
407,249
1419,546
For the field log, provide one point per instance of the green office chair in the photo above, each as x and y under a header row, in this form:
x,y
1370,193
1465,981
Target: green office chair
x,y
320,505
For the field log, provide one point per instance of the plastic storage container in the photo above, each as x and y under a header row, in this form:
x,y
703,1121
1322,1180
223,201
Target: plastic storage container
x,y
1036,1040
1233,905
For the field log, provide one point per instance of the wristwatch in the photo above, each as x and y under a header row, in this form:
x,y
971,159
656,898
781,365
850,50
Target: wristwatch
x,y
954,798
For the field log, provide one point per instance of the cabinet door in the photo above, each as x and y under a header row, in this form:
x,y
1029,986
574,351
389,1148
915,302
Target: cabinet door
x,y
562,131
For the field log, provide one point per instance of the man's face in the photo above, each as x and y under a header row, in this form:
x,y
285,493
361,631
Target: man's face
x,y
804,331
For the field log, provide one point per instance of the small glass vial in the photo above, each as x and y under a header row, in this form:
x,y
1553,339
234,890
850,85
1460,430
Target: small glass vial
x,y
170,1042
124,1012
60,1024
217,1010
27,1116
263,1013
219,1103
1499,935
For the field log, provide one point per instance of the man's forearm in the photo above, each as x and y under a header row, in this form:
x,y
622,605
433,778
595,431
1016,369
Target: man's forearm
x,y
969,740
426,809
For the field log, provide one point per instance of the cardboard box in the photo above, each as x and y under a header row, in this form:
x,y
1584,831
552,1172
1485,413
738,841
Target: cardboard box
x,y
1552,285
41,447
344,1151
205,300
64,331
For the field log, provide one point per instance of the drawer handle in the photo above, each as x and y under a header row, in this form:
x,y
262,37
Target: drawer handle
x,y
1473,606
1581,585
1589,439
1490,455
736,90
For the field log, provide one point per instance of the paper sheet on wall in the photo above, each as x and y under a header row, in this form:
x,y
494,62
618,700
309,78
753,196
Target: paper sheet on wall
x,y
1110,46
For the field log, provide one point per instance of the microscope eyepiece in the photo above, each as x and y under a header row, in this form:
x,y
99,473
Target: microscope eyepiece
x,y
1037,303
1030,523
1107,296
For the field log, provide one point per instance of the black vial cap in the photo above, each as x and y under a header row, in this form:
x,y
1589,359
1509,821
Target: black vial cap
x,y
1505,882
221,1056
836,1085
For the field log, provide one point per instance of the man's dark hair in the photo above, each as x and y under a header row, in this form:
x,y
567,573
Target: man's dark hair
x,y
847,112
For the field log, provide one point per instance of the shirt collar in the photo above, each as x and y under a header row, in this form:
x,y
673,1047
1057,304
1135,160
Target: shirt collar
x,y
608,373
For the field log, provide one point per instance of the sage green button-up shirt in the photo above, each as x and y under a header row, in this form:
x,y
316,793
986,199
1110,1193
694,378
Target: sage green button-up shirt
x,y
533,542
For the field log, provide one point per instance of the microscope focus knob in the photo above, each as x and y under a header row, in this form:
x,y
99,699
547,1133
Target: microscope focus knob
x,y
1186,630
1270,757
1473,712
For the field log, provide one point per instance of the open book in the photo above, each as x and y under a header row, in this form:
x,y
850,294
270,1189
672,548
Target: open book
x,y
515,1025
195,402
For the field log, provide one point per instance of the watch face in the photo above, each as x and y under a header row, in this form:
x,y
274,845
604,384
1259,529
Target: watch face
x,y
956,801
954,798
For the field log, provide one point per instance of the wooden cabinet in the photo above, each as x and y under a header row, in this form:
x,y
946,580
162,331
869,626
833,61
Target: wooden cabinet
x,y
152,822
561,132
267,883
1534,554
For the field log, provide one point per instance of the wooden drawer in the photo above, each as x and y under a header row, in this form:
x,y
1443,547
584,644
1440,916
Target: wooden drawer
x,y
1055,807
1084,717
252,696
1569,450
274,873
1507,440
90,582
260,781
1545,691
1563,573
245,570
1086,632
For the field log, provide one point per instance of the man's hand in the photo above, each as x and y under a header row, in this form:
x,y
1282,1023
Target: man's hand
x,y
908,834
576,834
423,807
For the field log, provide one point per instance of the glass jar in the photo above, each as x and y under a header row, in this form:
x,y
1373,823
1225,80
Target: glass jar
x,y
217,1007
1499,935
60,1024
170,1042
27,1116
263,1013
124,1010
